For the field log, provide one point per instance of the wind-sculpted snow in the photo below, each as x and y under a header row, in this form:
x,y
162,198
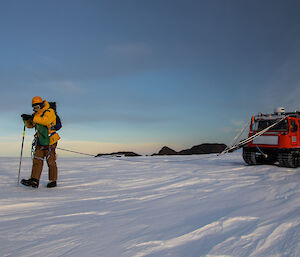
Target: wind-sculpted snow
x,y
178,206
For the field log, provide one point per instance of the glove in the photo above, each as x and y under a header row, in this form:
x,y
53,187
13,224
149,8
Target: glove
x,y
26,117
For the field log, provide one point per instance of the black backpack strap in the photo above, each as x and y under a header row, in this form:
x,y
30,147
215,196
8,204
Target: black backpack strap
x,y
47,110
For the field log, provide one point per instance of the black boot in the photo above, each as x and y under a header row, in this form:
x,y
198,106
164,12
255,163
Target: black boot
x,y
32,182
51,184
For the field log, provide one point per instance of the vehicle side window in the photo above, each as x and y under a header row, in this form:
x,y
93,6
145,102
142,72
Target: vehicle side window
x,y
294,126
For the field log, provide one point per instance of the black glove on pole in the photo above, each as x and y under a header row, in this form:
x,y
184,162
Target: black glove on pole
x,y
21,154
26,117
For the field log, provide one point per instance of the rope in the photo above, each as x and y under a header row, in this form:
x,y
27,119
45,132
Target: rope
x,y
233,142
261,151
227,149
75,152
134,161
249,139
104,157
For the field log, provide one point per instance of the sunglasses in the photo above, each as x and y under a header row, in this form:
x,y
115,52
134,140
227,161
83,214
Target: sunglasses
x,y
36,107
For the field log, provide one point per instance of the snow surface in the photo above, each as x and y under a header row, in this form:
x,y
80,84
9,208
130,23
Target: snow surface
x,y
152,206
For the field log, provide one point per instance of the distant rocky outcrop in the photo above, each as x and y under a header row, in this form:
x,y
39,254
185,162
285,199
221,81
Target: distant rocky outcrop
x,y
197,149
127,154
166,151
204,149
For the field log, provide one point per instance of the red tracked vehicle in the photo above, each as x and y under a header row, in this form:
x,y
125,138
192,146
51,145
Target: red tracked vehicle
x,y
280,143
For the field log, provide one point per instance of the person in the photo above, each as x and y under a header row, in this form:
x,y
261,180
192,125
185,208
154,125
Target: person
x,y
43,120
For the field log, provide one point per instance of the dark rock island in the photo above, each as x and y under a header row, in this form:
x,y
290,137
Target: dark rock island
x,y
119,154
197,149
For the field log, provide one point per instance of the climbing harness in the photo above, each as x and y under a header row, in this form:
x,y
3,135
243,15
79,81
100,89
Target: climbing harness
x,y
33,150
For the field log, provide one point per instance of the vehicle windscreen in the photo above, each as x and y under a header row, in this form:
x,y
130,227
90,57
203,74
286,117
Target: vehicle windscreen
x,y
262,124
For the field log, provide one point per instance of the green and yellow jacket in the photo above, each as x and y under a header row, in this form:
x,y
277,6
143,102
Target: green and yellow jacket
x,y
43,121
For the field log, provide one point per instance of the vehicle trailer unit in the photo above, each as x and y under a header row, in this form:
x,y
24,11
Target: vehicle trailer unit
x,y
280,143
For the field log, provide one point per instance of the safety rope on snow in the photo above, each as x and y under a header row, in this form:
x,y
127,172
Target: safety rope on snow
x,y
75,152
104,157
135,161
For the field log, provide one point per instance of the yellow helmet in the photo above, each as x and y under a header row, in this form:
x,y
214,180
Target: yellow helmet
x,y
37,100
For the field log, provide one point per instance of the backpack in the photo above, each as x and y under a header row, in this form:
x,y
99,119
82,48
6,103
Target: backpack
x,y
58,125
43,137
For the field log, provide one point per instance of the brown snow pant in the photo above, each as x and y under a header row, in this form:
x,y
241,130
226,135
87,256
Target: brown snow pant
x,y
38,162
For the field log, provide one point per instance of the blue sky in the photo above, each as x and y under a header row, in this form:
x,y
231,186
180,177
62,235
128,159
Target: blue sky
x,y
138,75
